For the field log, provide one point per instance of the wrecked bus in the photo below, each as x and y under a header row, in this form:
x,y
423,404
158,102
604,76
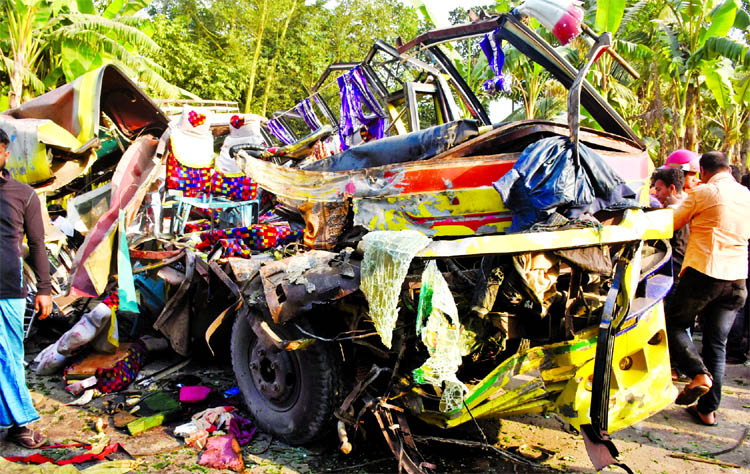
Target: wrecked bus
x,y
422,297
431,265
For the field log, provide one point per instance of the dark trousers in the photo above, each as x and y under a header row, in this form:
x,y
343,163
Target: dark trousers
x,y
718,302
738,342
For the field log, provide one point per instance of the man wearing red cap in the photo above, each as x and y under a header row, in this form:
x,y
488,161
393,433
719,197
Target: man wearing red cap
x,y
688,162
712,281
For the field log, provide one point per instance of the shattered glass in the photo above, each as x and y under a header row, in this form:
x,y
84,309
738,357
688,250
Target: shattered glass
x,y
443,336
384,267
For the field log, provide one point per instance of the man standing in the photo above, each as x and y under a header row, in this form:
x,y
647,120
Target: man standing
x,y
712,281
20,213
668,185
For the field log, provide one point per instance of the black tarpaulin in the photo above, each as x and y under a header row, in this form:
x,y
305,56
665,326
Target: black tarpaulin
x,y
545,179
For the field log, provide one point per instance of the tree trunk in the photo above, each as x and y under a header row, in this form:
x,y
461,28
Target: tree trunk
x,y
16,85
660,114
691,123
19,41
272,72
256,56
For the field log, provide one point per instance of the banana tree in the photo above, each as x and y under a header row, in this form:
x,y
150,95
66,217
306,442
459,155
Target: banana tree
x,y
731,91
615,17
43,42
23,31
693,31
531,85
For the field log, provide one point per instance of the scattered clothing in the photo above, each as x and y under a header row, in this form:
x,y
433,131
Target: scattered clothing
x,y
223,452
41,459
124,372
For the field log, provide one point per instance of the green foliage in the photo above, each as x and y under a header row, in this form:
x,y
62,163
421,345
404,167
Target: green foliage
x,y
208,46
726,47
721,20
609,15
717,77
47,42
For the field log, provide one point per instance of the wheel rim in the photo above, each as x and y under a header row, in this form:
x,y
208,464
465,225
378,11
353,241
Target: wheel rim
x,y
276,376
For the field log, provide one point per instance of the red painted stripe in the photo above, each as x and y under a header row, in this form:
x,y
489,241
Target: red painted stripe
x,y
473,224
474,175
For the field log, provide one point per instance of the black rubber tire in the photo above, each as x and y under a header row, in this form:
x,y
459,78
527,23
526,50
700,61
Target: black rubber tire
x,y
309,401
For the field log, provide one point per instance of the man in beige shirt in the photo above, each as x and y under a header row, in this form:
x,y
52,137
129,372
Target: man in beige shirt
x,y
712,281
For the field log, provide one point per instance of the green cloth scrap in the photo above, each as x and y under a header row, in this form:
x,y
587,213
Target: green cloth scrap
x,y
126,285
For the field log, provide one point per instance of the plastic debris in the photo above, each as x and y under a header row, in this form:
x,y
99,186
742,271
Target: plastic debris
x,y
562,17
442,337
146,423
121,466
194,393
234,391
197,439
161,402
87,396
545,179
125,283
384,266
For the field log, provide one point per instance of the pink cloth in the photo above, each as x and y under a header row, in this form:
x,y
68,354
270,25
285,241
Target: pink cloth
x,y
194,393
223,452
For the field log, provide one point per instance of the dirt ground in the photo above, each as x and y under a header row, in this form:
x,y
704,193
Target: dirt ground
x,y
648,447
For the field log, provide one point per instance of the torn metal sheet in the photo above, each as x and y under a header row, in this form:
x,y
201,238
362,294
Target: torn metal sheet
x,y
641,380
472,164
29,160
243,269
136,170
233,307
77,106
420,176
397,434
293,285
67,120
174,320
636,225
436,214
84,210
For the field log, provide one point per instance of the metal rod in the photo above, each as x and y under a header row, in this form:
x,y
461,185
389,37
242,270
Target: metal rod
x,y
619,59
574,94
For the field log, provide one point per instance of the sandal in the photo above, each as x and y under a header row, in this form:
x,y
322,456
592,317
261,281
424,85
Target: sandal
x,y
691,393
699,417
27,437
